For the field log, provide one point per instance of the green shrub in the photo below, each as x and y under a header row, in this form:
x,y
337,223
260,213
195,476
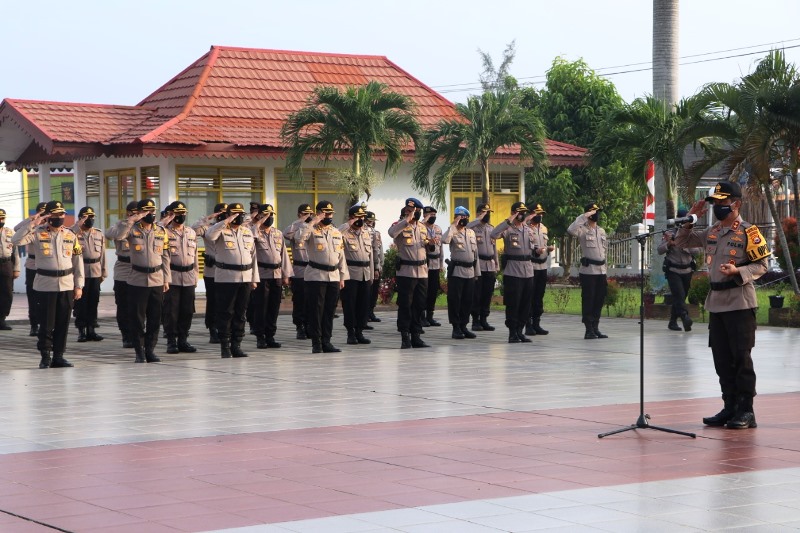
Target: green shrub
x,y
612,295
699,288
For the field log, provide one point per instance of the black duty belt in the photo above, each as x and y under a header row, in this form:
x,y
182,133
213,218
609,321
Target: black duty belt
x,y
404,262
54,273
180,268
464,264
357,263
91,261
434,256
209,261
670,264
273,266
723,285
585,261
6,259
509,257
145,270
538,260
320,266
299,263
240,268
486,257
31,256
124,258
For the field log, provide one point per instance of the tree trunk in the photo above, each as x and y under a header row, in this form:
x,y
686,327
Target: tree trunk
x,y
781,237
485,181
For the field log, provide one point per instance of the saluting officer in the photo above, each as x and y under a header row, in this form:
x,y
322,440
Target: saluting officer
x,y
679,264
299,263
592,271
93,245
461,272
539,258
433,249
9,270
487,266
358,253
378,256
517,269
411,239
59,279
30,277
274,270
122,271
324,277
185,271
249,218
200,227
236,275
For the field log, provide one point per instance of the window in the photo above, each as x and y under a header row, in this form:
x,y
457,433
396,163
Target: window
x,y
120,189
316,185
465,190
201,188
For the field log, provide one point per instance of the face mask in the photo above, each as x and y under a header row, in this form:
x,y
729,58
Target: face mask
x,y
721,212
270,220
520,216
56,222
359,223
238,220
309,219
595,217
462,222
326,221
221,217
179,219
537,219
431,220
417,215
2,223
485,218
89,222
149,219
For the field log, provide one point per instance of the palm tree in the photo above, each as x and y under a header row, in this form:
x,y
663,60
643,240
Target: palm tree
x,y
356,120
487,123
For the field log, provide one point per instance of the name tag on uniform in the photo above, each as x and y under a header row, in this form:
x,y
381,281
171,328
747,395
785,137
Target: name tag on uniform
x,y
229,244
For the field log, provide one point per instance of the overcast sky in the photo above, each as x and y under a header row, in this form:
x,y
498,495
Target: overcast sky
x,y
118,52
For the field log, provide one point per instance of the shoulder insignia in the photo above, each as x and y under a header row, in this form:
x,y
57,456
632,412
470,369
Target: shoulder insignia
x,y
76,249
756,245
44,235
735,225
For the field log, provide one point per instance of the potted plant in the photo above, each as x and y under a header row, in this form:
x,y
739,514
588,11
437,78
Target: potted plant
x,y
776,299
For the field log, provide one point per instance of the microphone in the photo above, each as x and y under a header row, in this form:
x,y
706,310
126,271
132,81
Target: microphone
x,y
689,219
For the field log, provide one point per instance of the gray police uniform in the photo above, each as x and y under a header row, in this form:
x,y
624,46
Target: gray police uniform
x,y
461,273
9,265
299,265
411,241
358,253
517,272
540,240
30,292
592,272
435,265
179,301
678,267
200,227
273,265
93,245
378,256
122,269
488,263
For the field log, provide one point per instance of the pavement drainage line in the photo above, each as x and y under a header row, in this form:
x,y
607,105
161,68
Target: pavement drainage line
x,y
28,519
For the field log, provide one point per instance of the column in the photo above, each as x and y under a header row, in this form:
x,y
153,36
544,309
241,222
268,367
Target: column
x,y
45,195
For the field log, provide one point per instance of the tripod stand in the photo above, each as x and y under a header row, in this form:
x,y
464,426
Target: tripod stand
x,y
643,420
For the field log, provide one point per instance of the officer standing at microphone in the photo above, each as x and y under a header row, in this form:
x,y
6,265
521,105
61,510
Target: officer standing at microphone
x,y
488,262
30,277
122,271
592,272
461,272
94,267
185,271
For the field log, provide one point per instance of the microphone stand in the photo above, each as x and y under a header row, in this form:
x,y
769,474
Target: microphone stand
x,y
643,421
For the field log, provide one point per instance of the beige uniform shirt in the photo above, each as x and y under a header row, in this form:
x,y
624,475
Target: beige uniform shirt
x,y
540,239
299,253
93,246
8,250
30,260
58,257
463,251
518,243
149,249
594,244
411,241
183,264
358,252
735,245
433,250
200,227
234,247
488,261
680,259
325,247
271,254
377,249
122,268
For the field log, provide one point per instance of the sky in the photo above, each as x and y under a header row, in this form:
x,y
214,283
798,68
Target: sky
x,y
118,52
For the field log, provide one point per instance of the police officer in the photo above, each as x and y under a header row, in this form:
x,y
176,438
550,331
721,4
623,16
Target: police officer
x,y
411,239
678,266
487,266
9,270
736,255
248,220
59,279
325,275
435,261
200,227
235,277
541,252
122,271
93,245
592,272
518,269
185,271
378,256
299,264
30,277
359,255
274,270
461,272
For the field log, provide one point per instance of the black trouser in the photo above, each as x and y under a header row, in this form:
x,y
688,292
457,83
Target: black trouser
x,y
355,303
145,310
539,285
55,309
517,293
211,301
482,299
731,336
250,314
86,307
411,294
459,299
374,291
231,308
593,296
178,311
432,292
321,300
298,301
266,302
6,287
30,292
678,287
124,317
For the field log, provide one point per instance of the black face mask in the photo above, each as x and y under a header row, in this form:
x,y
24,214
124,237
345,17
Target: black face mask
x,y
721,212
359,223
431,220
462,222
309,219
417,215
89,222
326,221
2,223
537,219
238,220
520,216
221,217
269,222
485,218
179,219
56,222
149,219
595,217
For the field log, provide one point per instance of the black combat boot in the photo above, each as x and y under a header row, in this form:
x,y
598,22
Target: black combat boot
x,y
432,321
139,353
126,341
512,336
172,345
301,333
373,318
367,327
271,343
4,326
521,336
485,325
727,413
361,338
59,362
467,333
417,342
673,324
687,321
457,333
744,418
538,328
597,332
213,336
476,323
92,335
261,342
184,346
34,332
327,347
236,348
529,327
45,362
590,334
351,336
150,355
406,340
82,335
225,348
424,320
316,345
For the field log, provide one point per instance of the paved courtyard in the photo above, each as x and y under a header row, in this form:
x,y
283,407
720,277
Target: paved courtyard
x,y
471,435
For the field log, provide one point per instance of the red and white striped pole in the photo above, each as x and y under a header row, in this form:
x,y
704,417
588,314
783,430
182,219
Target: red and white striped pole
x,y
650,200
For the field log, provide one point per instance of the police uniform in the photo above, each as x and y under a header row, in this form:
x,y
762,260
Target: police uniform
x,y
201,227
59,271
93,245
488,262
122,270
411,240
236,273
678,267
378,256
592,272
461,273
274,270
517,271
299,265
731,304
359,255
539,260
9,270
433,234
248,220
179,300
326,269
30,276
